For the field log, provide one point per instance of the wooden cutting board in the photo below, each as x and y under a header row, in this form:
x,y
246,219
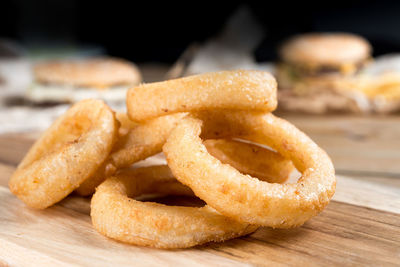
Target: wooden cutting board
x,y
361,226
358,145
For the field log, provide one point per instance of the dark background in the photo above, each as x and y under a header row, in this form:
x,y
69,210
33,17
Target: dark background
x,y
151,31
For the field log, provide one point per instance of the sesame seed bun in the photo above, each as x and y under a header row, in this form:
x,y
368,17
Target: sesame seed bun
x,y
327,49
97,73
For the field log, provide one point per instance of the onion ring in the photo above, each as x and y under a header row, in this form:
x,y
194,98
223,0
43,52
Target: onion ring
x,y
147,139
251,159
242,197
140,142
116,215
67,153
241,89
126,124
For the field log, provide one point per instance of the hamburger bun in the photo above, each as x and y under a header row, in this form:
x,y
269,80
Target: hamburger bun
x,y
74,80
327,49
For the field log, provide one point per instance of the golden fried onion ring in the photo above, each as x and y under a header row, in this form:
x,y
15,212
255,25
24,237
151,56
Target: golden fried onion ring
x,y
243,197
147,139
67,153
126,124
240,89
117,215
139,143
251,159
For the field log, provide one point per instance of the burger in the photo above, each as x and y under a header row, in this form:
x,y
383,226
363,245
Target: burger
x,y
316,72
73,80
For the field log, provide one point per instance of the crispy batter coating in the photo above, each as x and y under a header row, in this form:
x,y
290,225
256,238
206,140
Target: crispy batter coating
x,y
116,214
139,143
240,89
251,159
126,124
243,197
147,139
71,150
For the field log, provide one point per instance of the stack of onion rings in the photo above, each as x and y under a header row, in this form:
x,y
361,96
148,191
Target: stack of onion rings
x,y
213,129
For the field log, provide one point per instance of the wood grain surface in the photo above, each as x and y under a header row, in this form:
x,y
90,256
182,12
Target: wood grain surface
x,y
366,145
361,226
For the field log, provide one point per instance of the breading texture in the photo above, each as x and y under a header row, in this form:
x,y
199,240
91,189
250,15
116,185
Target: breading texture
x,y
70,151
116,214
243,197
240,89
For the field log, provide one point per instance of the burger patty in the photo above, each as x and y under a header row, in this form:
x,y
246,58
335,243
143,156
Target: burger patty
x,y
298,71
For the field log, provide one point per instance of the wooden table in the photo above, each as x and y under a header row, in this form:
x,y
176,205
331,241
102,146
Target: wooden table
x,y
360,226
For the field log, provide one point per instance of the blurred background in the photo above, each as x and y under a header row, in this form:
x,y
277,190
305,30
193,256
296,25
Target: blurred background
x,y
145,31
168,40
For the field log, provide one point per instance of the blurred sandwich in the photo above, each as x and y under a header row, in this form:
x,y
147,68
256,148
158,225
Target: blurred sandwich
x,y
316,70
73,80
